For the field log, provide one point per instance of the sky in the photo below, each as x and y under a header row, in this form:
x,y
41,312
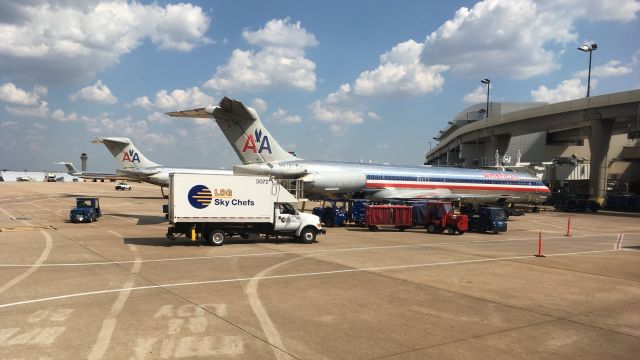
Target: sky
x,y
331,80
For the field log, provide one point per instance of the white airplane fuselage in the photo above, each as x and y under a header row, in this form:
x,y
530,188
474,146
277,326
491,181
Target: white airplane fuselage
x,y
380,182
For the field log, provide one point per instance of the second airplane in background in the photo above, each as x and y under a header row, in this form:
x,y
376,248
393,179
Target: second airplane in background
x,y
260,153
134,165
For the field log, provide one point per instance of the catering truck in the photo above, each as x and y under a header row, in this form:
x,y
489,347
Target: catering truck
x,y
215,207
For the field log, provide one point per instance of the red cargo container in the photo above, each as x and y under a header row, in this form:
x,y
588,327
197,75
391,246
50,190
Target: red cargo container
x,y
398,216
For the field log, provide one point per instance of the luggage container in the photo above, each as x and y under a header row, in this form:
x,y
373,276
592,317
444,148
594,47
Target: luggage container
x,y
398,216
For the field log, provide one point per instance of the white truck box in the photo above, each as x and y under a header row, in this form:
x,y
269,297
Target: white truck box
x,y
224,198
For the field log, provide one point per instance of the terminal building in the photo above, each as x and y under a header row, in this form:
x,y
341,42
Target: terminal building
x,y
595,141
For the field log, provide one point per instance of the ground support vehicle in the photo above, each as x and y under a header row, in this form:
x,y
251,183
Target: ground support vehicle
x,y
488,218
398,216
87,210
574,203
216,207
332,212
338,212
357,211
123,186
624,202
438,216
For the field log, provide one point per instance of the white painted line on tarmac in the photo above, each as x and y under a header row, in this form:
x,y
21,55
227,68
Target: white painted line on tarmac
x,y
270,330
618,244
406,246
124,218
109,324
356,270
32,269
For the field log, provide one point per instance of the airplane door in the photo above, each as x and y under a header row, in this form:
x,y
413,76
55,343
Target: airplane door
x,y
287,218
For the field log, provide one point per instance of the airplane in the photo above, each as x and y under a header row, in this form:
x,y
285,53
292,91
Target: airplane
x,y
261,154
71,170
134,165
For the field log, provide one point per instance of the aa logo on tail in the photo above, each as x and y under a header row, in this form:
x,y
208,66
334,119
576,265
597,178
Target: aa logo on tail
x,y
131,156
252,143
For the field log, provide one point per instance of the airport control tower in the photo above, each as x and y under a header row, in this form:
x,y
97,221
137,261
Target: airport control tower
x,y
84,158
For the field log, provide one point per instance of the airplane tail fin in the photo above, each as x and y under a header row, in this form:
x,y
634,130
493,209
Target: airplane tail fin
x,y
125,152
71,170
243,129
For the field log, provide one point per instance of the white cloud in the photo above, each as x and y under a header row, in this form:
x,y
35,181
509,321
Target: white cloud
x,y
59,115
280,62
157,138
281,33
516,38
336,129
611,10
62,41
373,116
259,104
158,117
97,92
401,73
39,126
40,111
8,124
176,100
9,93
611,68
334,114
567,90
283,117
478,95
104,124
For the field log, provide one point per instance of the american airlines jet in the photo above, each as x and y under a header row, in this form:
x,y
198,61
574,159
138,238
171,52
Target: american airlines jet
x,y
134,165
260,153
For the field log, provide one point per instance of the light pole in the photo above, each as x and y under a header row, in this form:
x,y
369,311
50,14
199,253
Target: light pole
x,y
487,81
589,49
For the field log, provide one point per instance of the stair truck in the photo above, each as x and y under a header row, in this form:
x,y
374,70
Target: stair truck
x,y
216,207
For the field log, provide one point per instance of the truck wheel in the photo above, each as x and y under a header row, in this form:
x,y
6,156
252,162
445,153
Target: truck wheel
x,y
329,223
452,231
217,238
373,228
307,236
460,232
431,228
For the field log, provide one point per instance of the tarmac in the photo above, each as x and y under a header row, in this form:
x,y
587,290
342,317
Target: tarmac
x,y
119,289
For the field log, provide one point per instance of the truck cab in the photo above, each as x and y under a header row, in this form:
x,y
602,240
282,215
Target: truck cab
x,y
439,216
300,225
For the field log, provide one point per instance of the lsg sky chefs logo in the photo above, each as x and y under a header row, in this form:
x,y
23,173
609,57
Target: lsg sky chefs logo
x,y
201,196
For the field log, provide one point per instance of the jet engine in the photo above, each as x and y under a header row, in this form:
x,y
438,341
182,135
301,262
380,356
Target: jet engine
x,y
333,182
